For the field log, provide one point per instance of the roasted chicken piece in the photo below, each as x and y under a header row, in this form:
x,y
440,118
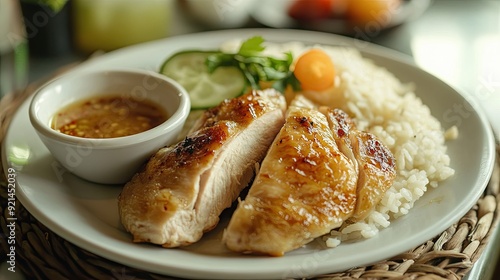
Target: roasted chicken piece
x,y
304,188
183,189
341,125
375,162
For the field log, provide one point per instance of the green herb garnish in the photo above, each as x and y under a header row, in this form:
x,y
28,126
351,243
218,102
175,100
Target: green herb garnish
x,y
255,66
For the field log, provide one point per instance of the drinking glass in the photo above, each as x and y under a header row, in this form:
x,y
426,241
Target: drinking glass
x,y
110,24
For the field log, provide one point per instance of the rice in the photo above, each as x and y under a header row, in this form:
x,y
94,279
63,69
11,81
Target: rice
x,y
382,105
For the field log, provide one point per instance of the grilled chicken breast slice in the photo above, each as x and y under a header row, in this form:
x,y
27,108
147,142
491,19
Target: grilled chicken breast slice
x,y
375,162
183,189
377,171
341,125
304,188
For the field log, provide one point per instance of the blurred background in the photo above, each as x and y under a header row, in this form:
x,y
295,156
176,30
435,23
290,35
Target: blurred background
x,y
456,40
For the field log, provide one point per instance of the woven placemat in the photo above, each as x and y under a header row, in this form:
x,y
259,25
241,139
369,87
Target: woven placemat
x,y
41,254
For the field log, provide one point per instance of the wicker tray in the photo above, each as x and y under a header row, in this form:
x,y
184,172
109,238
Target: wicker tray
x,y
41,254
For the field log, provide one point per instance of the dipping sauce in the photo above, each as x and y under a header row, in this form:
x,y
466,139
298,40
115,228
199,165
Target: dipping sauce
x,y
108,117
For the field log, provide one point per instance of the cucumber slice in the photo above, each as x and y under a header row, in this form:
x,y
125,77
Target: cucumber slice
x,y
205,89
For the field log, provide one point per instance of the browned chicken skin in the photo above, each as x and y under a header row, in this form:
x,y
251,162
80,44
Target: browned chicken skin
x,y
375,162
305,188
319,173
184,188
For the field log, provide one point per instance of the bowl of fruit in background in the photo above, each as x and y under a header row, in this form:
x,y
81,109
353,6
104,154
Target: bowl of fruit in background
x,y
346,17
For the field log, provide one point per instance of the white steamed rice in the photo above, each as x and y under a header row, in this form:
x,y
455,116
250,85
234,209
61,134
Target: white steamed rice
x,y
384,106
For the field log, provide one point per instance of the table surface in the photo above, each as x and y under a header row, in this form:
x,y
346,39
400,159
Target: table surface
x,y
456,40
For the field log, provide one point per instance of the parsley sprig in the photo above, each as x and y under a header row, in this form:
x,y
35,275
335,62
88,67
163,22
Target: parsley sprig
x,y
255,66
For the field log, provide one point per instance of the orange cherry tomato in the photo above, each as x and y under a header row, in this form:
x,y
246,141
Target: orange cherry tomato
x,y
315,70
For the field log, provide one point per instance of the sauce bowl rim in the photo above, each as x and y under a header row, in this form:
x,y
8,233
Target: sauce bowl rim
x,y
174,120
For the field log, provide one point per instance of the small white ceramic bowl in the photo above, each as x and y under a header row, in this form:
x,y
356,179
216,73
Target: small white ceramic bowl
x,y
108,160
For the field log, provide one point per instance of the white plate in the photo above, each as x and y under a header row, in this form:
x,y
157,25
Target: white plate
x,y
86,214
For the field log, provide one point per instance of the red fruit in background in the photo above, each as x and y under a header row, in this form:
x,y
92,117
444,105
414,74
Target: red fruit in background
x,y
311,9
